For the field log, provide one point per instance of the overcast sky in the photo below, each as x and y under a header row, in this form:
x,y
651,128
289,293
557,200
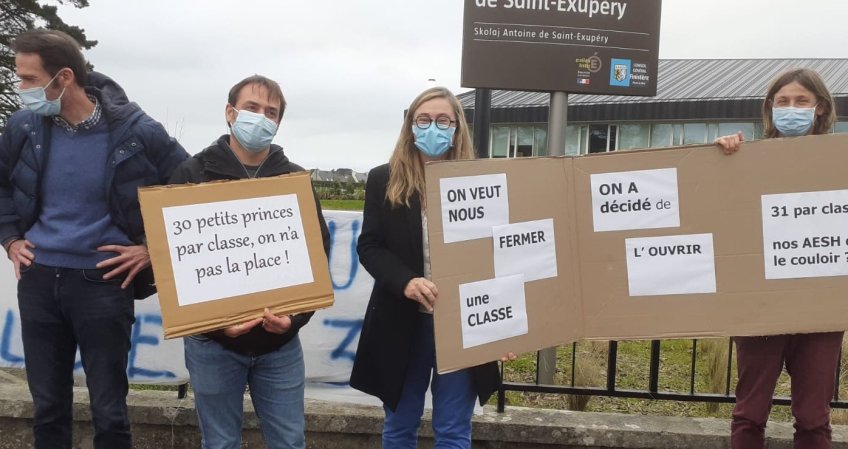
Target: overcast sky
x,y
349,68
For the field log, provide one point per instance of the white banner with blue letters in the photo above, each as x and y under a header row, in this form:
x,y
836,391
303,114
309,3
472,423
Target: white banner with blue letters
x,y
329,340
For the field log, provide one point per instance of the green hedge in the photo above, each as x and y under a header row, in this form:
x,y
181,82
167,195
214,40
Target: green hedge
x,y
337,190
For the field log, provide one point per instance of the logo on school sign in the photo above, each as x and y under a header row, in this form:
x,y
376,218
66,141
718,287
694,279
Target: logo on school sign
x,y
620,75
579,46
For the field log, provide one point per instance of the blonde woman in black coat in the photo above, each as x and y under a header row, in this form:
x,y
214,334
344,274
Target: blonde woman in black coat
x,y
395,360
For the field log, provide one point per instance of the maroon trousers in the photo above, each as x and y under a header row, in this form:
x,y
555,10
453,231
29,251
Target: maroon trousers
x,y
811,361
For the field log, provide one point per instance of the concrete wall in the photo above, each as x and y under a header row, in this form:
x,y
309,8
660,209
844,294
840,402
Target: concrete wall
x,y
161,421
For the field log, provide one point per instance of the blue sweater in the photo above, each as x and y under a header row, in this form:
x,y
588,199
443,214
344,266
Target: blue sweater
x,y
75,217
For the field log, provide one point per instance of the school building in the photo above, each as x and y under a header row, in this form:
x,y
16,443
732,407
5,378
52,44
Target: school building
x,y
697,100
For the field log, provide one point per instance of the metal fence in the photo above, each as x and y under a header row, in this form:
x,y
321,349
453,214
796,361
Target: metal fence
x,y
652,389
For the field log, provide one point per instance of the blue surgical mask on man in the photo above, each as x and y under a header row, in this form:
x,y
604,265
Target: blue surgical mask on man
x,y
792,122
35,99
433,141
253,131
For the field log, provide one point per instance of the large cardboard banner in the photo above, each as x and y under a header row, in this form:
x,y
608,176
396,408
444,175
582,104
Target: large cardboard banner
x,y
223,252
672,243
493,296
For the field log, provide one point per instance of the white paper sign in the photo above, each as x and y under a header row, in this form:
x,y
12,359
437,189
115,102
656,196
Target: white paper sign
x,y
644,199
492,310
230,248
805,234
671,265
472,205
525,248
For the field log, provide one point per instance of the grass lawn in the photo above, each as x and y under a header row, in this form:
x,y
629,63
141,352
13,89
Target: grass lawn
x,y
633,373
342,204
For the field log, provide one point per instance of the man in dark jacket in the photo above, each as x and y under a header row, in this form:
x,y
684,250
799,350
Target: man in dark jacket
x,y
70,166
264,353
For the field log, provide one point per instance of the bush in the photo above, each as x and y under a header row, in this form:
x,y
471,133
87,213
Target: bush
x,y
337,190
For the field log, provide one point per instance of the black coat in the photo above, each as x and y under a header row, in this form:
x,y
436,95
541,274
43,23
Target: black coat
x,y
391,250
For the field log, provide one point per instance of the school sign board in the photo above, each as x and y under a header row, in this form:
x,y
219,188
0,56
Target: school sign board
x,y
672,243
578,46
222,252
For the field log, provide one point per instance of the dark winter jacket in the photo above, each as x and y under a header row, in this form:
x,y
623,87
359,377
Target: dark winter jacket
x,y
392,251
217,163
141,154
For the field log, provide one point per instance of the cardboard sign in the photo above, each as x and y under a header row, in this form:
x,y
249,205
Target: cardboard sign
x,y
222,252
749,244
536,200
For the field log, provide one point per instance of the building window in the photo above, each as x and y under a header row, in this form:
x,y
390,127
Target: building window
x,y
712,132
584,139
661,135
572,140
541,141
499,141
678,135
694,133
726,129
602,138
523,142
518,141
634,136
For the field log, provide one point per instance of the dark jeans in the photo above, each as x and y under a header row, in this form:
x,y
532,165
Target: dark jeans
x,y
454,397
811,361
61,309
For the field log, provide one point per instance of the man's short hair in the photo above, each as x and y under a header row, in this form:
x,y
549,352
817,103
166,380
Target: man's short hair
x,y
56,49
273,88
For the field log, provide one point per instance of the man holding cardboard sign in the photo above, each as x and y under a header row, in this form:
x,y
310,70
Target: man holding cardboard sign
x,y
264,353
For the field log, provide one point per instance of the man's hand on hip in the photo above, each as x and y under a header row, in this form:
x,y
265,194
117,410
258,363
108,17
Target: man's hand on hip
x,y
19,253
130,260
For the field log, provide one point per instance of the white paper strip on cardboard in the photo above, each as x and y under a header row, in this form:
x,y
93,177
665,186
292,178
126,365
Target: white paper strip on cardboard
x,y
231,248
471,205
492,310
644,199
527,248
805,234
671,265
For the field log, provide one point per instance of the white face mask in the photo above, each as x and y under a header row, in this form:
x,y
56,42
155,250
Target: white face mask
x,y
35,99
253,131
792,122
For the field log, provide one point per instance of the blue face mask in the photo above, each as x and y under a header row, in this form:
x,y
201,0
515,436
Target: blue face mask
x,y
433,141
253,131
35,99
792,122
